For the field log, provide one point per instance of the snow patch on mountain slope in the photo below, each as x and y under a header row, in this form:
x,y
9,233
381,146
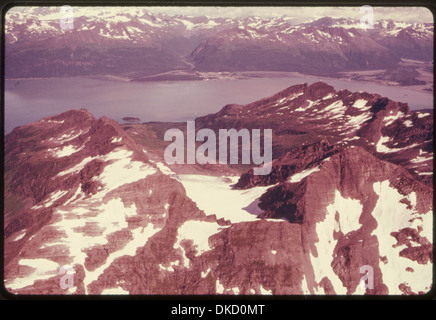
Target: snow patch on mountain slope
x,y
420,159
171,265
357,121
52,199
20,235
219,287
303,174
349,212
77,167
84,222
214,195
391,118
108,218
117,154
381,147
163,168
329,96
114,291
140,237
304,286
68,136
53,121
65,151
423,115
321,260
188,24
335,108
122,170
295,95
264,291
199,232
392,216
43,269
311,103
205,273
361,104
408,123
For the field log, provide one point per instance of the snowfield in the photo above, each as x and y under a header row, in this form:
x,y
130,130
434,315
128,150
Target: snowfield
x,y
392,216
215,196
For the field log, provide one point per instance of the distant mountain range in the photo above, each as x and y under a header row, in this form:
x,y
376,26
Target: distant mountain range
x,y
350,186
136,43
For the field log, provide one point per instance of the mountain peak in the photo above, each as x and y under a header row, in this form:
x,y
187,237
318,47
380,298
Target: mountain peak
x,y
325,21
73,115
318,90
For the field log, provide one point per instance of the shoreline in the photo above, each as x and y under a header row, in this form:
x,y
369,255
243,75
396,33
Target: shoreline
x,y
246,75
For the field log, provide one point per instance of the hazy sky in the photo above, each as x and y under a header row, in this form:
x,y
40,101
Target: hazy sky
x,y
294,14
305,14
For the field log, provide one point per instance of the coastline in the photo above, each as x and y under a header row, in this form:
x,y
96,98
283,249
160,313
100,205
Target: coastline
x,y
367,76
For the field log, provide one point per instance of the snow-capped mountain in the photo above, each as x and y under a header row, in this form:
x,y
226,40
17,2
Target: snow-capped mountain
x,y
350,186
136,42
324,46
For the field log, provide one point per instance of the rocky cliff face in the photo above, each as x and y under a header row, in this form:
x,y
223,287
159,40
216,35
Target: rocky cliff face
x,y
347,200
350,187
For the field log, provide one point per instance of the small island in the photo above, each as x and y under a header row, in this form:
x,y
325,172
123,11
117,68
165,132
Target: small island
x,y
131,119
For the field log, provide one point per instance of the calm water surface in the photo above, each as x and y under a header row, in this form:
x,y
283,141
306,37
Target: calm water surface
x,y
29,100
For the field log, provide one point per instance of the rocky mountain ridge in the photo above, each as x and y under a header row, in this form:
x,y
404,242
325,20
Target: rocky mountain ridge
x,y
137,43
350,187
313,122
